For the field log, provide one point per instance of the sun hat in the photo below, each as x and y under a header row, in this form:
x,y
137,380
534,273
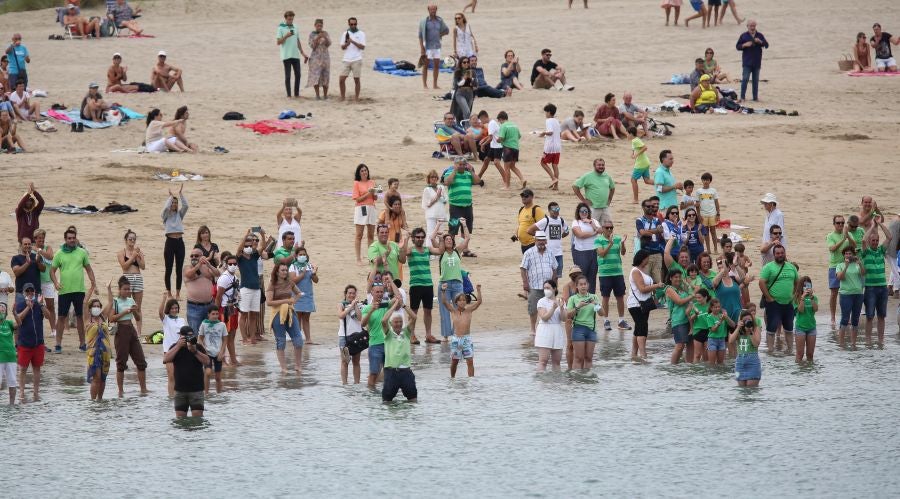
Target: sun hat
x,y
768,198
540,235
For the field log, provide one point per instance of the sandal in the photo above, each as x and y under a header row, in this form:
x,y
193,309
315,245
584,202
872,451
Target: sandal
x,y
432,340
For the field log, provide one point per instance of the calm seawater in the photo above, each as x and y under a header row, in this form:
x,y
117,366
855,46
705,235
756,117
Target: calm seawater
x,y
626,429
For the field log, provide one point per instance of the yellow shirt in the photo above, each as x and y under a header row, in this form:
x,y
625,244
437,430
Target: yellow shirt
x,y
526,220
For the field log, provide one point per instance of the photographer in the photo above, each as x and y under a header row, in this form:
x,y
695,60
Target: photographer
x,y
747,366
189,359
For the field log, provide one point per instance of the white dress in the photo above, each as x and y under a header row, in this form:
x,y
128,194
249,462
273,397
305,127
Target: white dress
x,y
551,333
465,42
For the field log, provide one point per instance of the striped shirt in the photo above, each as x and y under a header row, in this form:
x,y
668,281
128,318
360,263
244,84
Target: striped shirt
x,y
873,261
539,267
611,264
419,267
460,192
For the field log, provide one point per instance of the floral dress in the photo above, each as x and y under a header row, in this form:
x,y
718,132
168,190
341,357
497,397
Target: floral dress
x,y
319,61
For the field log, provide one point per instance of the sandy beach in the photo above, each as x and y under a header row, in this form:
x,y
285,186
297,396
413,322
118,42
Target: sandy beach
x,y
818,164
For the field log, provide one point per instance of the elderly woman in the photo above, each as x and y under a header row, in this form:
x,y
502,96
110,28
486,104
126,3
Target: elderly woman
x,y
711,67
319,60
608,120
705,96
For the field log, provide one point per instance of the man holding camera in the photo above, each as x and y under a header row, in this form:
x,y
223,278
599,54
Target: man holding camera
x,y
751,43
189,359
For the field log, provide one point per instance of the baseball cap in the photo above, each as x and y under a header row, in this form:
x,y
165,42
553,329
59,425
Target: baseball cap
x,y
117,55
162,53
527,193
704,77
94,85
28,287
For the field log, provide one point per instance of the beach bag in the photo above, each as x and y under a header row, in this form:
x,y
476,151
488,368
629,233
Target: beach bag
x,y
405,65
468,288
113,327
107,28
233,116
846,64
113,116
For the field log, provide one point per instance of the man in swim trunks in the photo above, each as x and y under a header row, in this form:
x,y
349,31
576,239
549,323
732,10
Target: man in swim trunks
x,y
117,75
881,42
461,346
165,76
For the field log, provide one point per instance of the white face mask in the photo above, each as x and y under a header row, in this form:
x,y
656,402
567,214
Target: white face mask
x,y
248,250
548,293
301,260
232,268
95,311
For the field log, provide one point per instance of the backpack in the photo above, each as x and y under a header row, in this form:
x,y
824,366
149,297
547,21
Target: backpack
x,y
562,223
406,65
533,212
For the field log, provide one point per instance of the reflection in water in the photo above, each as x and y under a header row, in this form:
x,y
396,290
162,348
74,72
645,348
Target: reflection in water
x,y
191,423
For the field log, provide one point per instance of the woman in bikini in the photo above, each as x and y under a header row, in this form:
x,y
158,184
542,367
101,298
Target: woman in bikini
x,y
178,130
9,137
862,55
132,261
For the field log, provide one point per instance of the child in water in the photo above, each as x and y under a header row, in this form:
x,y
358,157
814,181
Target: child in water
x,y
461,346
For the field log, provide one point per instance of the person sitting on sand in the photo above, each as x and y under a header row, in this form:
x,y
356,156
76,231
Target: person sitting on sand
x,y
509,72
546,74
9,137
450,132
711,67
165,76
608,120
93,105
482,89
699,70
123,15
79,25
573,128
862,55
117,76
705,97
633,116
155,141
180,127
881,42
23,106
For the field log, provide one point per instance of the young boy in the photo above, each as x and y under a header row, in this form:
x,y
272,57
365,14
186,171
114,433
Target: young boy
x,y
8,354
212,337
688,200
709,211
743,262
508,136
398,375
461,346
189,359
552,146
392,190
493,149
641,165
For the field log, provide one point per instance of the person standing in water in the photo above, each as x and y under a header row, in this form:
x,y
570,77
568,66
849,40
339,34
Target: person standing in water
x,y
124,312
747,366
461,345
132,261
99,348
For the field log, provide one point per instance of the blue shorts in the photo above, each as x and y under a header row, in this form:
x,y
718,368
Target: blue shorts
x,y
800,332
682,332
376,358
697,5
715,344
614,284
875,299
747,367
639,174
461,347
583,333
833,281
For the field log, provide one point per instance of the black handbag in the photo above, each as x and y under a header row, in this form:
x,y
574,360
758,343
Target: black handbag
x,y
647,305
356,342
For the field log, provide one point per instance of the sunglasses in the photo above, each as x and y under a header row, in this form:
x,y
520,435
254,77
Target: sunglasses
x,y
776,233
608,228
838,223
691,215
584,211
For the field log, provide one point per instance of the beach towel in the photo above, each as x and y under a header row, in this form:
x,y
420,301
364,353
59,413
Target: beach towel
x,y
71,209
387,66
140,36
129,114
268,127
74,116
882,73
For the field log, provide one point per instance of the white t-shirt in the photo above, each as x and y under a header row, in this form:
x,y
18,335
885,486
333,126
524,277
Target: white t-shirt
x,y
493,130
687,198
587,243
556,229
707,199
292,226
17,101
171,328
5,282
352,321
438,209
547,304
225,281
552,142
353,53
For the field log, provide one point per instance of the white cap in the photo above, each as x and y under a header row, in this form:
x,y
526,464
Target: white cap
x,y
162,53
768,198
70,6
117,55
540,235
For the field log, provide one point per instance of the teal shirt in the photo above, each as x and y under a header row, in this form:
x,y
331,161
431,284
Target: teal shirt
x,y
290,48
664,177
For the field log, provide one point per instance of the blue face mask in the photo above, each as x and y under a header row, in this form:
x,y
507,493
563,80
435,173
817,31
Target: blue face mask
x,y
301,260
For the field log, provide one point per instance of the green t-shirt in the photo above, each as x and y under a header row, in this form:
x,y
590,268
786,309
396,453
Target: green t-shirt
x,y
717,326
282,252
745,344
873,261
677,266
642,161
700,311
451,266
852,283
857,234
596,188
396,348
393,261
706,282
510,134
835,257
806,320
459,192
71,269
419,267
7,345
611,264
45,275
289,49
585,316
781,289
376,333
678,313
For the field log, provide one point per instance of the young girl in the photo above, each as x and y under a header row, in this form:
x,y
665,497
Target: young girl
x,y
550,337
461,346
212,336
171,325
806,304
582,309
350,313
304,274
99,350
124,312
747,367
698,328
719,324
680,299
